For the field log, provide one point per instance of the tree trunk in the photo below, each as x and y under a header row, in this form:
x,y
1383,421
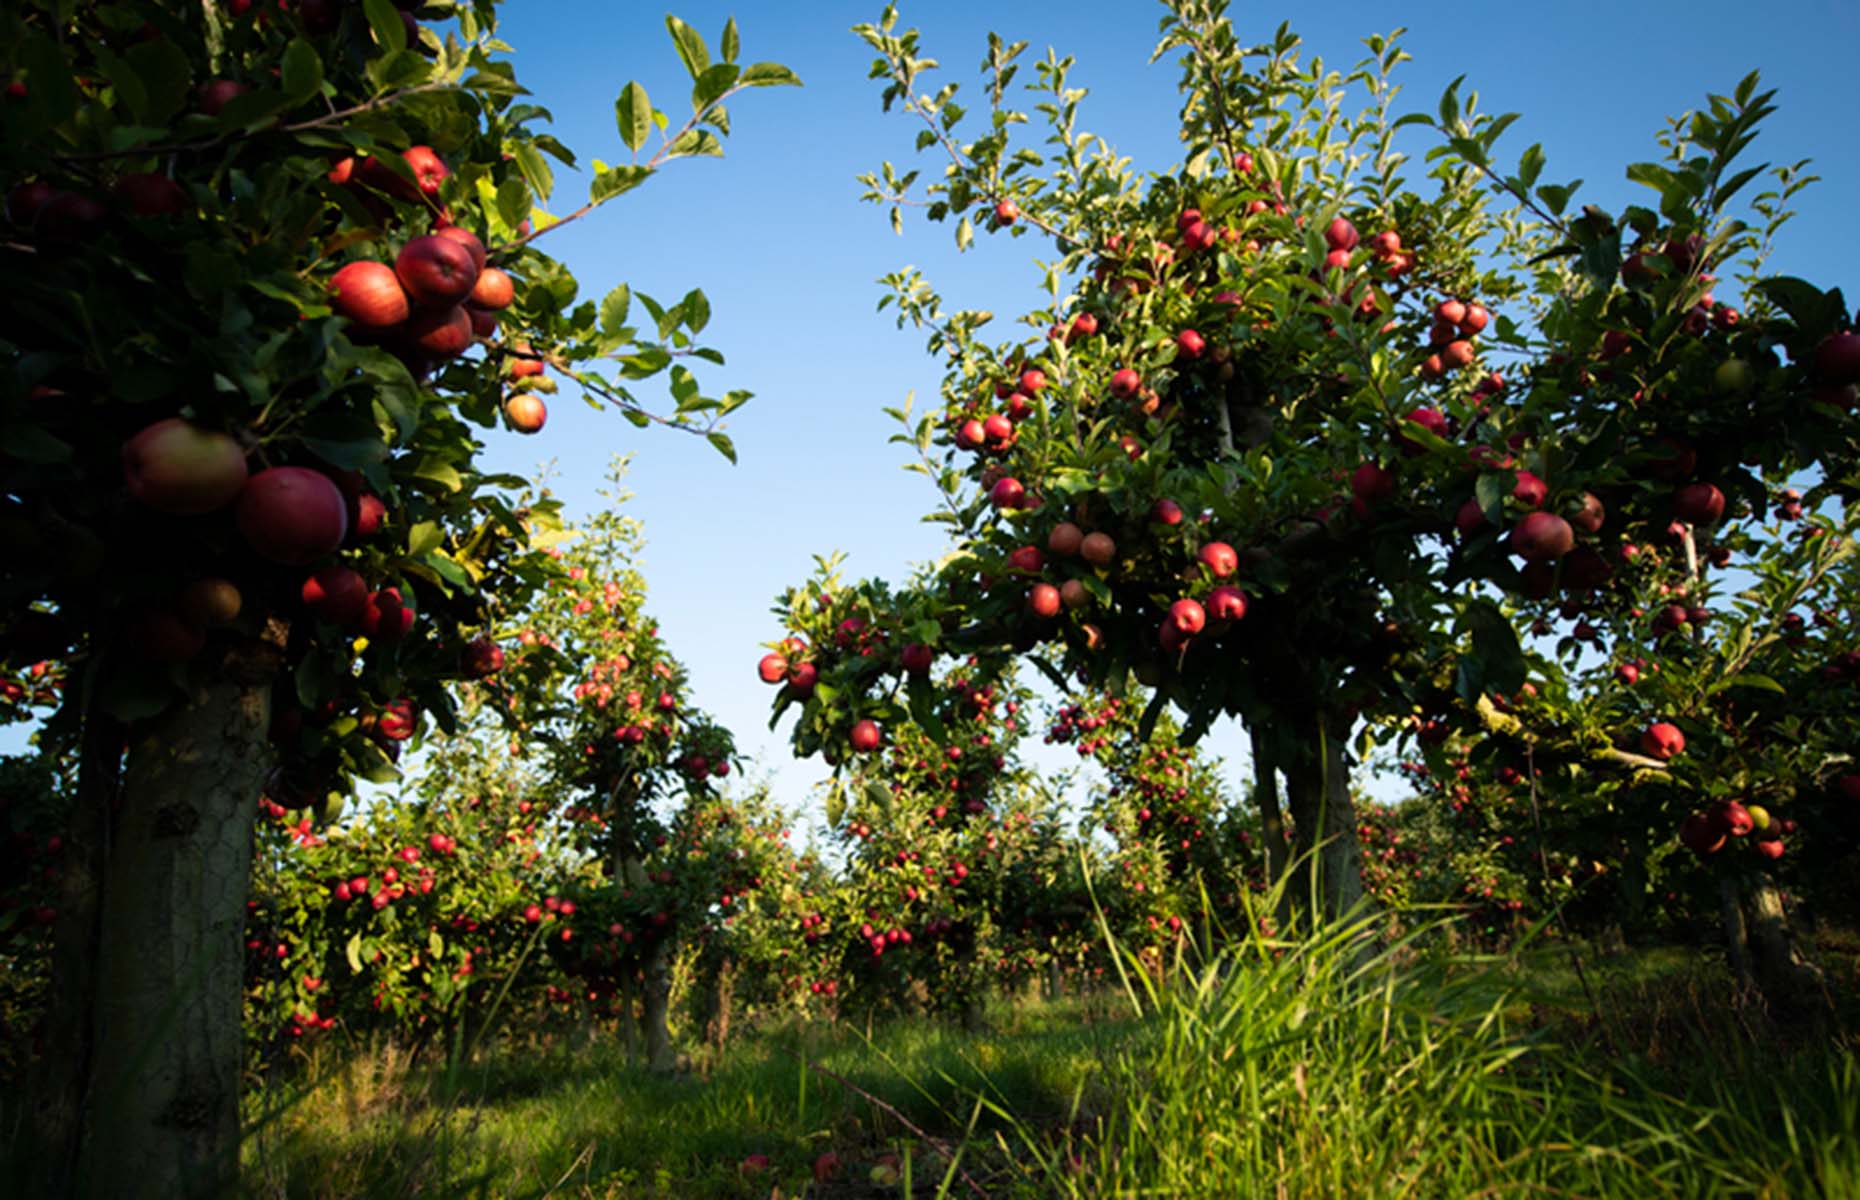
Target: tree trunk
x,y
1793,986
1266,797
1055,979
1327,874
1736,942
58,1111
719,993
165,1081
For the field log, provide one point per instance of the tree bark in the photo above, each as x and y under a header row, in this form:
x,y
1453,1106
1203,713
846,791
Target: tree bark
x,y
1327,874
165,1081
1793,986
1731,913
1266,797
657,988
719,995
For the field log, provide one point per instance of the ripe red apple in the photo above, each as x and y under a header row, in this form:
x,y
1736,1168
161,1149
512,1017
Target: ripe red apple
x,y
483,658
1470,518
69,217
1628,673
526,412
1007,493
1226,603
151,195
1219,558
387,616
1662,740
436,270
1190,344
1698,504
917,658
1455,355
827,1166
1530,491
802,676
292,515
1590,517
1097,549
429,170
369,294
1027,559
971,435
467,239
1372,482
366,512
1125,383
1731,817
1043,600
1541,537
1340,234
216,94
1701,835
1837,359
1430,419
772,669
1770,848
997,430
336,594
176,467
495,290
1074,595
865,736
1166,512
210,603
1007,212
1065,539
438,332
25,202
1188,617
1032,381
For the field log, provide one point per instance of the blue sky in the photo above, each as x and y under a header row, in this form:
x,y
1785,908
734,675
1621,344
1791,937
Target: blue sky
x,y
776,236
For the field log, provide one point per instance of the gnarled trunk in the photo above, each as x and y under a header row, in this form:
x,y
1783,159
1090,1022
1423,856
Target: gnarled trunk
x,y
719,996
1794,987
164,1087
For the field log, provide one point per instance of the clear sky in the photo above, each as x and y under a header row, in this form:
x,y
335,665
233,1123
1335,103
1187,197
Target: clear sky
x,y
777,237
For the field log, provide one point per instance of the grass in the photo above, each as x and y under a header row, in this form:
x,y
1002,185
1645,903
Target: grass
x,y
1313,1070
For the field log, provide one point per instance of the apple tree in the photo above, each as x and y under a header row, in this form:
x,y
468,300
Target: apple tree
x,y
1292,434
275,265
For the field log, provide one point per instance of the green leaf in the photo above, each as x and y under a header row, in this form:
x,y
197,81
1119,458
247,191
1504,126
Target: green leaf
x,y
353,952
835,803
301,71
385,20
513,201
767,74
696,142
729,44
127,83
1761,682
616,180
1495,641
435,469
878,796
536,171
722,444
614,309
634,114
424,538
712,84
53,91
696,307
1146,726
690,46
165,74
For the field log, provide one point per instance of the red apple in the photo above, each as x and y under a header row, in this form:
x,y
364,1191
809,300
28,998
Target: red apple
x,y
802,676
1190,344
1125,383
176,467
429,170
1188,617
470,241
865,736
494,290
1662,740
483,321
917,658
216,94
772,669
1097,549
1372,482
438,332
1027,559
25,202
387,616
1837,359
336,594
483,658
369,294
1007,493
366,512
1701,835
1340,234
1530,491
1065,539
1219,558
1166,512
1032,381
1074,595
1043,600
436,271
526,412
1698,504
1541,537
1226,603
69,217
151,195
1732,818
292,515
1590,517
